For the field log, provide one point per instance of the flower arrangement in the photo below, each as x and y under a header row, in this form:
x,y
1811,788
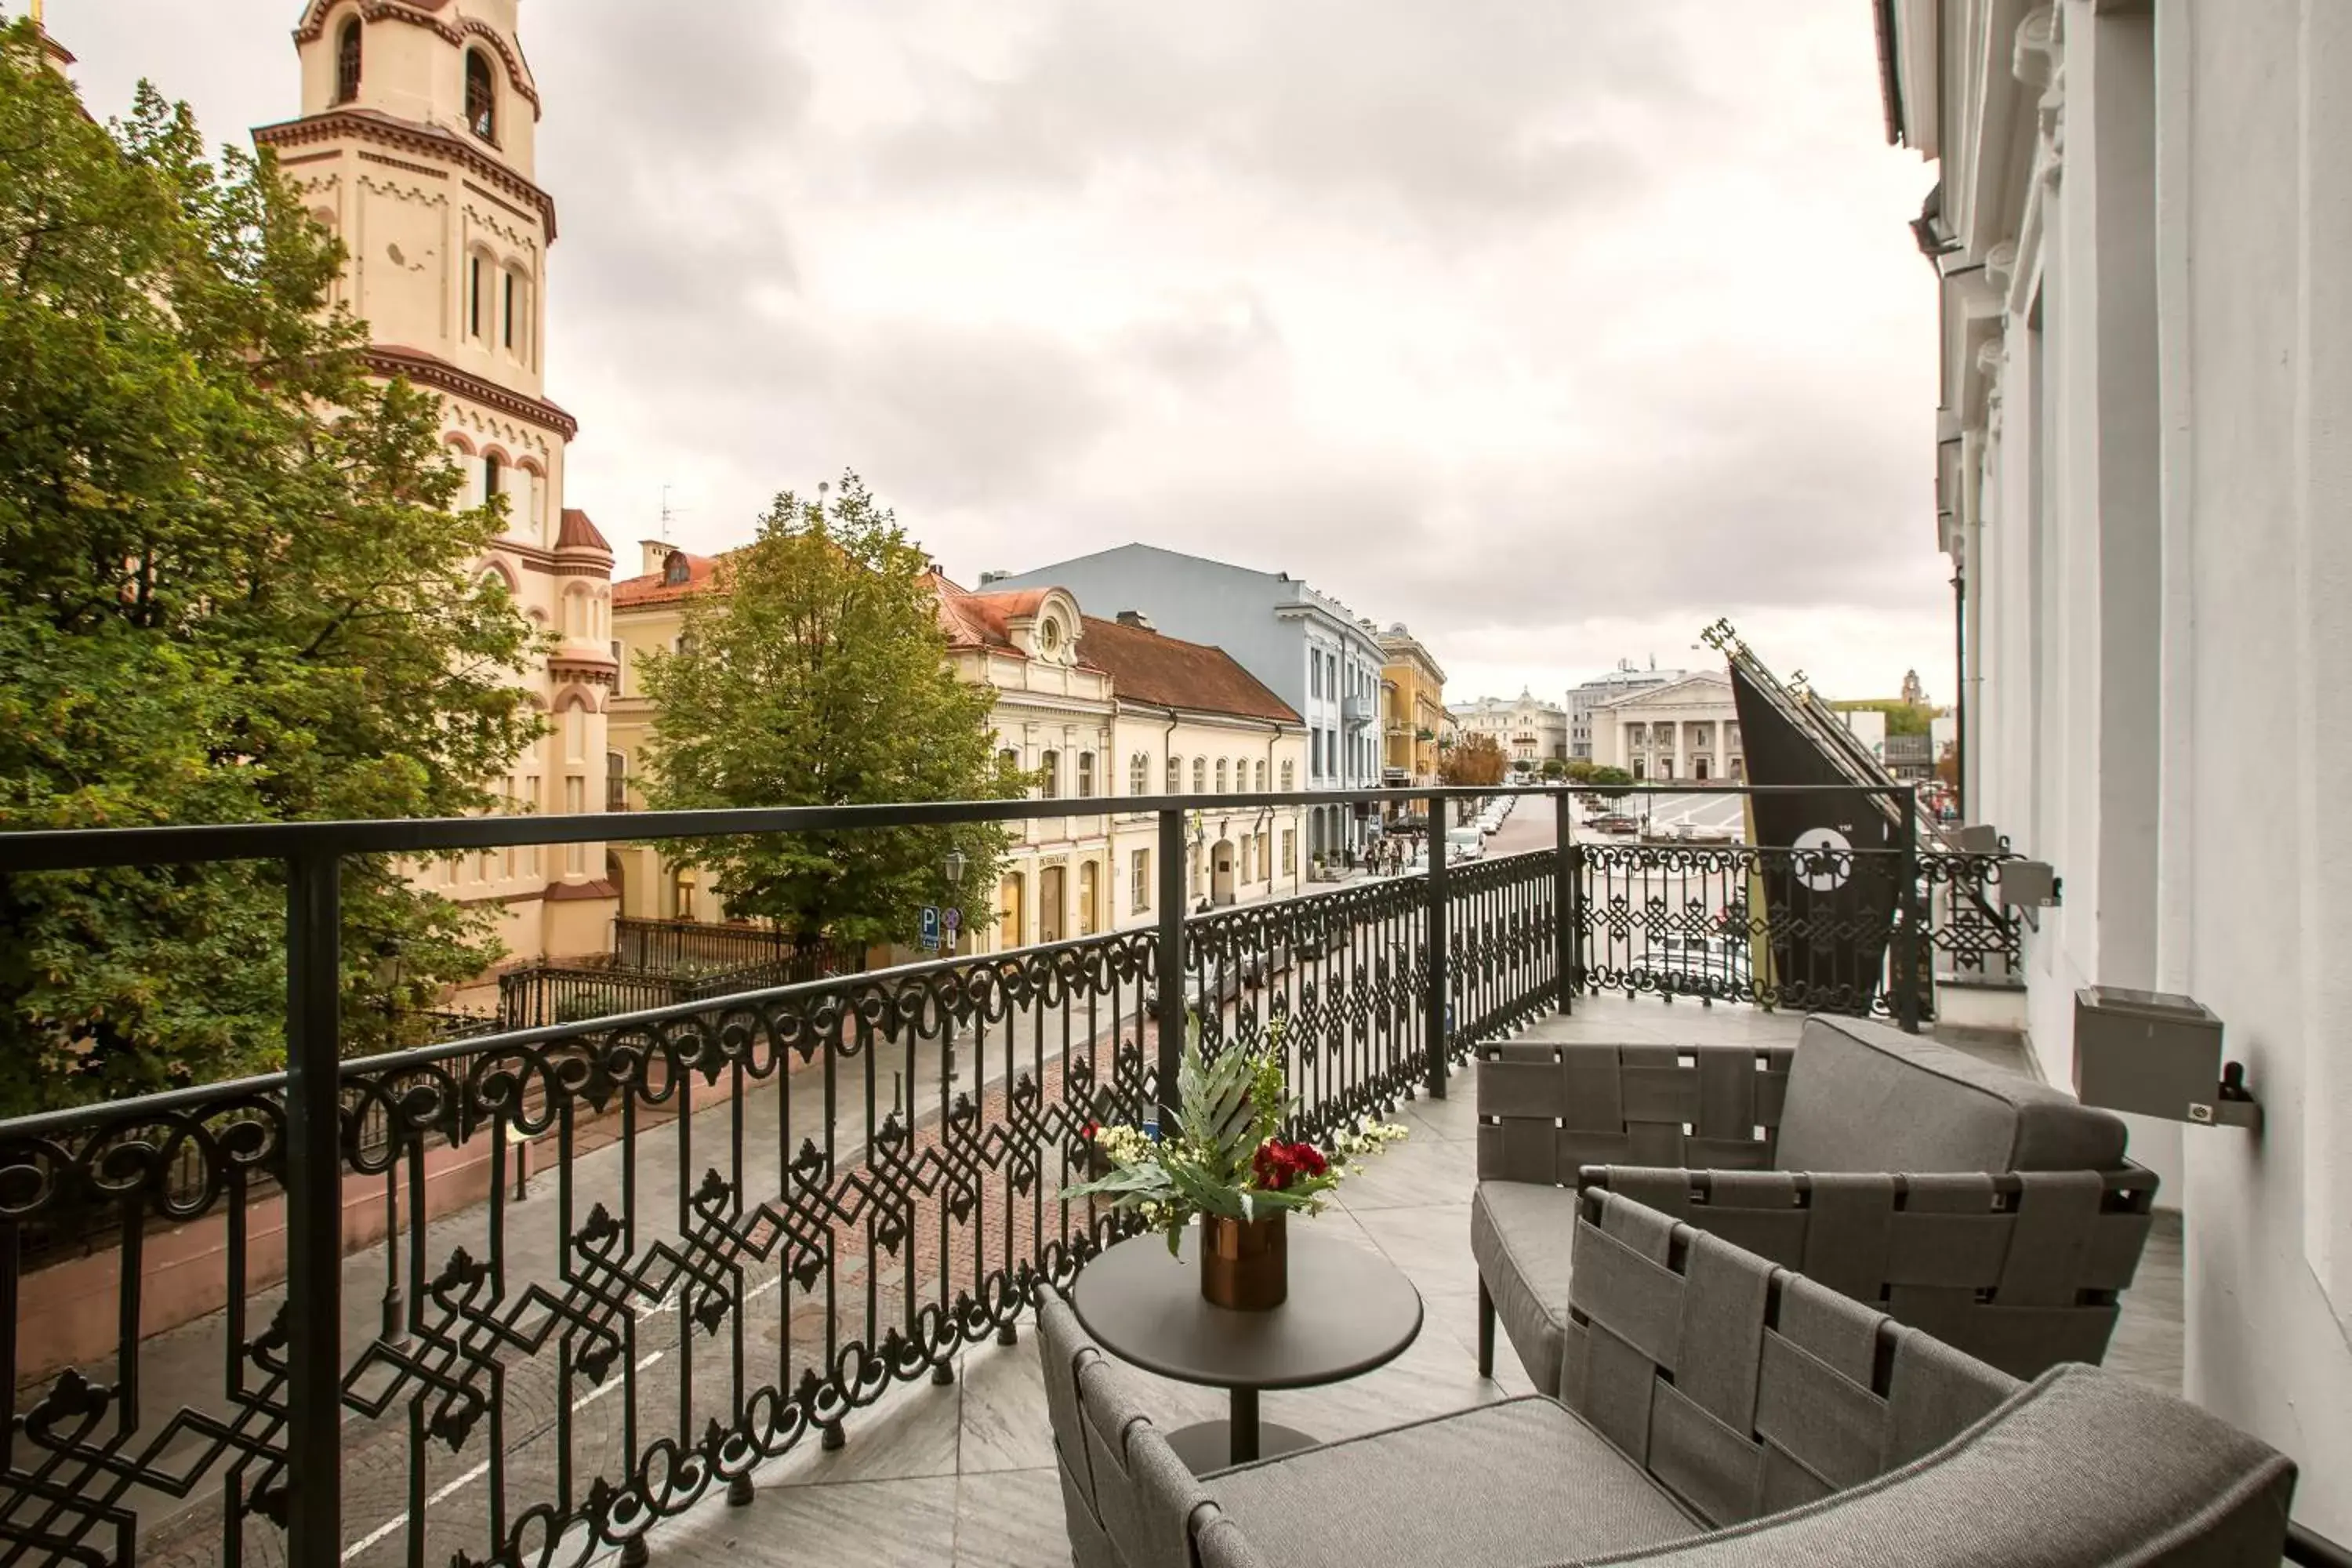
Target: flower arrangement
x,y
1222,1160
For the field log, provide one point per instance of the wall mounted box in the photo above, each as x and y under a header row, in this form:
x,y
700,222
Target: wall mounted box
x,y
1979,839
2028,884
2149,1053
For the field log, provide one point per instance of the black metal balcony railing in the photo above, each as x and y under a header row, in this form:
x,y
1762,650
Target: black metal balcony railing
x,y
753,1211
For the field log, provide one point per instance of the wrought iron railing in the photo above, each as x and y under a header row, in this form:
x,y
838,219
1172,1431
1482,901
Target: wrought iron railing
x,y
514,1299
678,945
541,995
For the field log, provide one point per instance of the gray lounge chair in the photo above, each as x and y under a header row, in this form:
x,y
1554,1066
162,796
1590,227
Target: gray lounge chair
x,y
1992,1211
1718,1411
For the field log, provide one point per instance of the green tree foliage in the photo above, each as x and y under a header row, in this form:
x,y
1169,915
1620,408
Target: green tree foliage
x,y
1902,718
1554,768
817,675
1474,760
230,591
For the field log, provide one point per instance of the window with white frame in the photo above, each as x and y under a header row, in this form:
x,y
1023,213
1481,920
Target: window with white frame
x,y
1138,877
1139,774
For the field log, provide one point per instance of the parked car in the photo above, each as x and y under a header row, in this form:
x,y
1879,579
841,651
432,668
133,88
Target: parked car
x,y
1464,844
1696,965
1616,822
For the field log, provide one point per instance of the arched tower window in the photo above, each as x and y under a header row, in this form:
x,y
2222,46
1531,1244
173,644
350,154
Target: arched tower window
x,y
347,62
490,486
481,96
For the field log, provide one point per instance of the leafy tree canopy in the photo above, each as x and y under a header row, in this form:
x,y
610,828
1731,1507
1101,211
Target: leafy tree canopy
x,y
816,675
230,591
1902,718
1473,760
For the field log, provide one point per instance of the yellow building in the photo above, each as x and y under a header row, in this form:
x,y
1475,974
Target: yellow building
x,y
1413,709
1095,709
414,145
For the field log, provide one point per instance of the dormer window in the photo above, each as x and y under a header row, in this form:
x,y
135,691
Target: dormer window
x,y
1049,637
481,96
347,62
675,570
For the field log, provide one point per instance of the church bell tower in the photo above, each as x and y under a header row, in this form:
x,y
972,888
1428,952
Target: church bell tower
x,y
416,146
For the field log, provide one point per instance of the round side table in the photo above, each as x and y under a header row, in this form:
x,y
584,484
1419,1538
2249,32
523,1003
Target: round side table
x,y
1349,1310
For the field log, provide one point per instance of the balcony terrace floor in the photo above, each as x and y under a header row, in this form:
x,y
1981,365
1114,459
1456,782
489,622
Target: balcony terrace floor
x,y
963,1474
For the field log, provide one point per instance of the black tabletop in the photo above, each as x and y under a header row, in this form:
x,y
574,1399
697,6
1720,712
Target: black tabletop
x,y
1349,1310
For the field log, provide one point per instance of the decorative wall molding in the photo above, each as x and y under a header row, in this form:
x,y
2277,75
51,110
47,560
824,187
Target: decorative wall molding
x,y
423,369
408,135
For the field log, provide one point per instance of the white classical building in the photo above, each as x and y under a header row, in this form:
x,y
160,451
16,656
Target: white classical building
x,y
1307,649
1528,729
2144,481
1625,679
1688,729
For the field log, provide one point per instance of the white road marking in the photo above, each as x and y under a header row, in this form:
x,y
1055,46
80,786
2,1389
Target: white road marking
x,y
478,1471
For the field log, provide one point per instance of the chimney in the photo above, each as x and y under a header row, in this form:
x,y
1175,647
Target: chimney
x,y
989,579
657,554
1136,619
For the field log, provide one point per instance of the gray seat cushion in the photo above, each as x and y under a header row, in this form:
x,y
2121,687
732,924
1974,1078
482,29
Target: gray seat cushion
x,y
1520,1234
1866,1097
2083,1470
1523,1481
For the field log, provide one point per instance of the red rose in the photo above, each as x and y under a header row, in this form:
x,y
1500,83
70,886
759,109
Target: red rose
x,y
1089,1129
1276,1164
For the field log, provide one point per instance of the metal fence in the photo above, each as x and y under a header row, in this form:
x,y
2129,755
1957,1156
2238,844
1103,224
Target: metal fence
x,y
750,1213
660,963
695,945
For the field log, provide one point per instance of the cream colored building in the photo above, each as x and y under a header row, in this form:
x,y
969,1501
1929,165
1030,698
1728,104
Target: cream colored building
x,y
1528,730
1191,720
1094,709
414,145
1688,729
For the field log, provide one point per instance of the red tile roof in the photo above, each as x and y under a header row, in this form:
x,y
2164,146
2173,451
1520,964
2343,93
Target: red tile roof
x,y
654,587
580,533
1168,672
982,620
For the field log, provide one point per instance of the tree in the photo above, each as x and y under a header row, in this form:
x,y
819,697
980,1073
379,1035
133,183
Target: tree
x,y
1473,760
817,675
230,591
1609,782
1554,769
1902,718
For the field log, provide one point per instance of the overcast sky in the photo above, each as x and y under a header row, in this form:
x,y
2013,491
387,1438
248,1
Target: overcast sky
x,y
1556,328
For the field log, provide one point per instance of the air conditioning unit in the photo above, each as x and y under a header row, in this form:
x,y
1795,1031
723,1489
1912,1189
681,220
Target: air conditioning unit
x,y
1979,839
2029,884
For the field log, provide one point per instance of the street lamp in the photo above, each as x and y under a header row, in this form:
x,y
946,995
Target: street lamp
x,y
953,865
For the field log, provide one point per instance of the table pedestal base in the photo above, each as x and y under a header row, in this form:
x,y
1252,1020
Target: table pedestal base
x,y
1209,1445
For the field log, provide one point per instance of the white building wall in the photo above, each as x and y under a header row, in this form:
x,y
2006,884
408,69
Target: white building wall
x,y
2158,535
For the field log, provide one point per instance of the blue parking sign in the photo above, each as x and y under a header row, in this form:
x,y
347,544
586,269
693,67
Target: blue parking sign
x,y
930,928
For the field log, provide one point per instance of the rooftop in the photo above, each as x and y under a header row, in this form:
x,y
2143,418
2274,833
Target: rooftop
x,y
1152,667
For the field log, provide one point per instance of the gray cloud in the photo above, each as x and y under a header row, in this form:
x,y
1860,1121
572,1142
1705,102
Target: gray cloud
x,y
1556,330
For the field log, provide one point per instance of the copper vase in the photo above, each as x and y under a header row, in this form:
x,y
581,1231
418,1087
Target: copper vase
x,y
1245,1263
